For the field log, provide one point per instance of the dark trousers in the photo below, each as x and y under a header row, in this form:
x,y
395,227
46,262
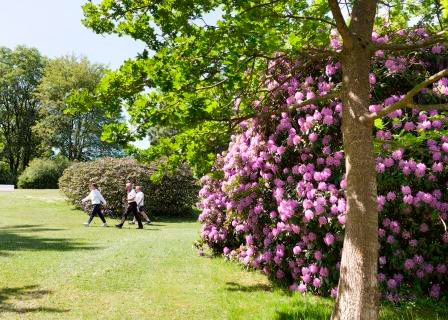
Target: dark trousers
x,y
97,210
132,209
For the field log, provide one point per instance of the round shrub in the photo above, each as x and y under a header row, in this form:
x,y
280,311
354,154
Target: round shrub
x,y
42,174
171,195
276,201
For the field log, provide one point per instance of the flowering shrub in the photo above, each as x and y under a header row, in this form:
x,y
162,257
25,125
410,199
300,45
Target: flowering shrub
x,y
276,201
173,195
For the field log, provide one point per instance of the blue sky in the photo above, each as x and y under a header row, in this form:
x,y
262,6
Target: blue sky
x,y
54,27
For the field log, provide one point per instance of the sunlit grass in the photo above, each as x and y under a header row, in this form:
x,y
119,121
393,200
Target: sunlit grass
x,y
54,268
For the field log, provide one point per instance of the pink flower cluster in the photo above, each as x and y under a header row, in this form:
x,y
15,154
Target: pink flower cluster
x,y
276,201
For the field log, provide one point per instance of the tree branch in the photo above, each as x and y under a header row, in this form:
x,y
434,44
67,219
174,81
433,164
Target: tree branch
x,y
406,102
303,104
428,107
291,16
340,23
212,85
437,38
333,95
258,6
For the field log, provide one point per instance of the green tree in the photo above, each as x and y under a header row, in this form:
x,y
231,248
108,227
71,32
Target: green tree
x,y
70,123
20,72
204,75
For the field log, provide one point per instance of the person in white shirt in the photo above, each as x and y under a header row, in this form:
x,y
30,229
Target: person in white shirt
x,y
97,199
140,199
132,207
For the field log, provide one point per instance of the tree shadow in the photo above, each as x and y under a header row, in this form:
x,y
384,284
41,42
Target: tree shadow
x,y
312,310
12,239
30,228
419,309
23,294
307,315
233,286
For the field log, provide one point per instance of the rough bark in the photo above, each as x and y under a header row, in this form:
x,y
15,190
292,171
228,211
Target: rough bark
x,y
358,287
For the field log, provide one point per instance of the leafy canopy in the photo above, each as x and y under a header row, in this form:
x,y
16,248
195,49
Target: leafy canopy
x,y
199,78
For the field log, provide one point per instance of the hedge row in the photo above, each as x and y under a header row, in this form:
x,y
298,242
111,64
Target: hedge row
x,y
173,195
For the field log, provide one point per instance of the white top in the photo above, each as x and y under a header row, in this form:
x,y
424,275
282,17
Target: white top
x,y
95,196
131,196
140,198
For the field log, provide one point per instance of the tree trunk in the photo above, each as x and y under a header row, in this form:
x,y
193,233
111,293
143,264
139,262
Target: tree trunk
x,y
358,286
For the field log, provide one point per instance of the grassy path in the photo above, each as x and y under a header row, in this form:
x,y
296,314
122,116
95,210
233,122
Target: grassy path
x,y
54,268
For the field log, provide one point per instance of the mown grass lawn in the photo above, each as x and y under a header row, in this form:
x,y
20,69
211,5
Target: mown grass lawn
x,y
52,267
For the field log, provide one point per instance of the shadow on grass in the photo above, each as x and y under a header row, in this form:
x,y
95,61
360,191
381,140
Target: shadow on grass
x,y
22,294
421,309
319,308
30,228
12,239
309,308
233,286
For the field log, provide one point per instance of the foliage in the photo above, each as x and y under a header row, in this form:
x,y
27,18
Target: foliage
x,y
20,71
204,73
276,201
6,177
42,174
217,72
170,195
71,121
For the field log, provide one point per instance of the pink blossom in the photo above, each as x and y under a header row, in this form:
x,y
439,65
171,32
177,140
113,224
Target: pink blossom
x,y
424,227
391,283
297,250
409,264
441,268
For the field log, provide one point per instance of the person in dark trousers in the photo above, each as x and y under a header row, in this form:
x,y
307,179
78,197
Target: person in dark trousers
x,y
132,207
97,199
140,199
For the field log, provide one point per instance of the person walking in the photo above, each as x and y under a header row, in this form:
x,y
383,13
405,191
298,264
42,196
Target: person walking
x,y
132,207
140,199
96,199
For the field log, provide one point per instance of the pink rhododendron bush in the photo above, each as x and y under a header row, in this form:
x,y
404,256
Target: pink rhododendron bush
x,y
276,199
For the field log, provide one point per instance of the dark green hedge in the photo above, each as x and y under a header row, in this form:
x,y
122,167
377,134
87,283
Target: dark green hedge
x,y
42,174
6,177
173,195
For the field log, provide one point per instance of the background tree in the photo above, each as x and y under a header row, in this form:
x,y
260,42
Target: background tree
x,y
20,72
206,75
70,123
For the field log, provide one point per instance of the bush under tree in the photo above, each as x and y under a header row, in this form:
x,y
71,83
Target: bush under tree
x,y
42,174
169,195
277,199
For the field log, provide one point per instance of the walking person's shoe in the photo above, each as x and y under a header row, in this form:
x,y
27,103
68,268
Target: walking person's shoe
x,y
119,226
104,224
148,222
86,224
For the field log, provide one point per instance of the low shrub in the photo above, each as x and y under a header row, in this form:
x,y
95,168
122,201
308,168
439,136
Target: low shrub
x,y
42,174
171,195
